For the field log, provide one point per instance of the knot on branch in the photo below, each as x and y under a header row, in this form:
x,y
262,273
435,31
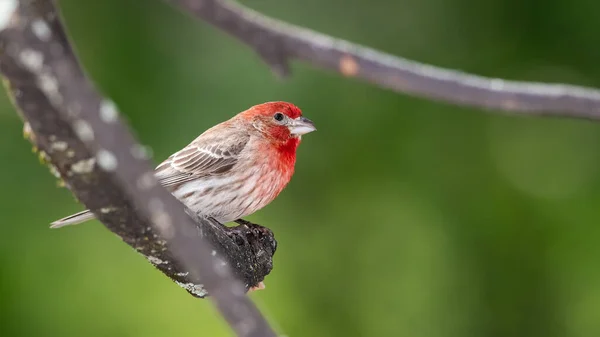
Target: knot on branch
x,y
258,242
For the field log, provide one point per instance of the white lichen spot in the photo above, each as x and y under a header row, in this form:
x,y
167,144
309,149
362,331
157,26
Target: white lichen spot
x,y
141,152
106,210
44,157
49,85
221,268
41,30
163,222
28,132
32,60
213,253
54,171
183,274
26,128
70,153
83,130
59,146
156,261
160,218
106,160
7,9
83,166
196,289
146,181
108,111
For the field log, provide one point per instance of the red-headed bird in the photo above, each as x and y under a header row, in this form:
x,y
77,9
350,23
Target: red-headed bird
x,y
234,168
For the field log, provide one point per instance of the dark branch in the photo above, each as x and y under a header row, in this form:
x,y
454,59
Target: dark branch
x,y
87,145
277,43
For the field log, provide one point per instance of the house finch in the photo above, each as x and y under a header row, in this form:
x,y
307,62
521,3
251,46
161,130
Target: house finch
x,y
234,168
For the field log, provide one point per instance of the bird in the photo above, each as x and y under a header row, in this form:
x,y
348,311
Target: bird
x,y
234,168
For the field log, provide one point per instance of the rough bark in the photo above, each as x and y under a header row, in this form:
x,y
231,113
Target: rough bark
x,y
81,137
278,43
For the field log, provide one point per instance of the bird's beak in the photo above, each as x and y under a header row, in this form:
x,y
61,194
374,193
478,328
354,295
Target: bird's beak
x,y
301,126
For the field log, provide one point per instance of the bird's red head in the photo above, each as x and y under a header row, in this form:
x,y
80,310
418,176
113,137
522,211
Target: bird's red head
x,y
269,108
278,121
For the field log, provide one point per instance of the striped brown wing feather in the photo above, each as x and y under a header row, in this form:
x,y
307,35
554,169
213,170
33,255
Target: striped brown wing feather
x,y
203,157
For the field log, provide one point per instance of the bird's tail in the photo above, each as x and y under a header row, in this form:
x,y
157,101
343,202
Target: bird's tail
x,y
74,219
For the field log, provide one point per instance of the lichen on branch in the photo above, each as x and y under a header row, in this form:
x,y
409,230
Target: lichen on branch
x,y
81,137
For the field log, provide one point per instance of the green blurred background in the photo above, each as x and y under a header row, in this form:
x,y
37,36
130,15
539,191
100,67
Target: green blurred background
x,y
405,218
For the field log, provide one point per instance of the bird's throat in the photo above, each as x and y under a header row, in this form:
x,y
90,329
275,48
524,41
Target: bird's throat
x,y
287,155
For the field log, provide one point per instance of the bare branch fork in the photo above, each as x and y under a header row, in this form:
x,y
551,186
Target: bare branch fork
x,y
277,43
91,150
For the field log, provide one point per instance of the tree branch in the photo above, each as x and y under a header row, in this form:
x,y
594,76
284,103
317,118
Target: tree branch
x,y
278,42
87,145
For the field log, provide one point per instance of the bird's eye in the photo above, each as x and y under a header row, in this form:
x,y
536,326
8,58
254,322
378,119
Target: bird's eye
x,y
278,116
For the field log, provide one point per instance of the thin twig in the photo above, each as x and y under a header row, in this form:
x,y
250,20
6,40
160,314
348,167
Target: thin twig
x,y
88,145
278,42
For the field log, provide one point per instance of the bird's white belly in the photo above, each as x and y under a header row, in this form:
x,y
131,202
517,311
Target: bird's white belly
x,y
228,198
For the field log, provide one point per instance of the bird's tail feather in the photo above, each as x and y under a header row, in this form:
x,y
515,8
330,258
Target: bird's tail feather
x,y
74,219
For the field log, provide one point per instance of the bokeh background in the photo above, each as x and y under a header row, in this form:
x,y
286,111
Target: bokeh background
x,y
406,217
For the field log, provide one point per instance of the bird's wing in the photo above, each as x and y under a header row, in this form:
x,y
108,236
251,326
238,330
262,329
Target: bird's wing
x,y
213,153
